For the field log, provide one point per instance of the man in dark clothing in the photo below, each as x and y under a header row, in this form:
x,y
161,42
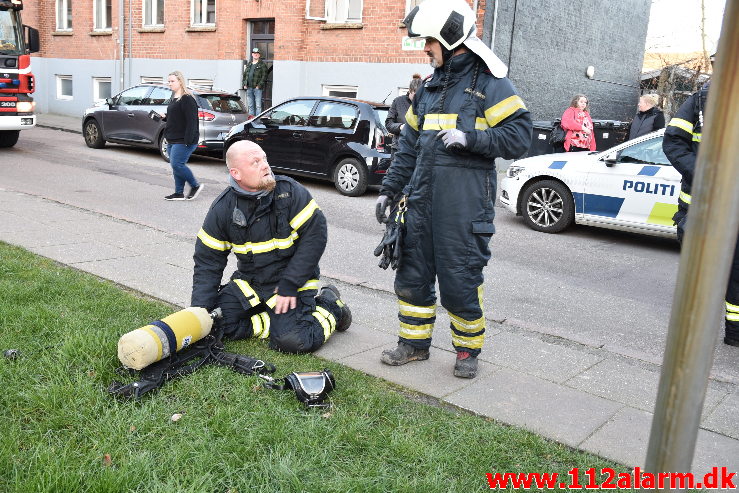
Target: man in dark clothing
x,y
399,107
278,234
461,119
648,119
680,143
255,75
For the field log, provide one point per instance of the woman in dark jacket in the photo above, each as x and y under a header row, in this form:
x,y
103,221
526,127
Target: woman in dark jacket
x,y
182,136
648,119
399,107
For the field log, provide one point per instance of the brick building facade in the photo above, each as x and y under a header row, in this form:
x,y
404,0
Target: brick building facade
x,y
93,48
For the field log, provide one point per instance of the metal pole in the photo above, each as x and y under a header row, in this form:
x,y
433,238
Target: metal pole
x,y
487,23
704,267
121,44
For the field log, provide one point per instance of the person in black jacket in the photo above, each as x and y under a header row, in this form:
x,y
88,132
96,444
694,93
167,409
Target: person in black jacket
x,y
648,119
182,136
680,143
278,234
462,118
396,114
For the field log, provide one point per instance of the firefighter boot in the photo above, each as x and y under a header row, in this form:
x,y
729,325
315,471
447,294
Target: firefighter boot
x,y
330,294
466,365
404,353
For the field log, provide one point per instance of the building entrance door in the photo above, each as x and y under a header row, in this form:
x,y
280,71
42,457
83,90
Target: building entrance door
x,y
263,37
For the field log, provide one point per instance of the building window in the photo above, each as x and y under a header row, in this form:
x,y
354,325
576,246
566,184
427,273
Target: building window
x,y
63,15
102,10
343,11
201,84
152,80
411,4
100,88
153,12
64,87
340,91
203,12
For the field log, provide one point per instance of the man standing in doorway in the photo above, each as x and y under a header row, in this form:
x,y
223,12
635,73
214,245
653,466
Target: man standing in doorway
x,y
255,75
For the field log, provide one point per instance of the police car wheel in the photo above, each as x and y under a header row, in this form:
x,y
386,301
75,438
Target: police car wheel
x,y
350,177
547,206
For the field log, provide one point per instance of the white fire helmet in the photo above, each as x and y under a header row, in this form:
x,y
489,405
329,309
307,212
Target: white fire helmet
x,y
452,23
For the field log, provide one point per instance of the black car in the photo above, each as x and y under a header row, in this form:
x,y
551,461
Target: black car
x,y
336,139
124,118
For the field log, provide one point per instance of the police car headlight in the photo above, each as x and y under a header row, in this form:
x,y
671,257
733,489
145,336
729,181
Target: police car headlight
x,y
514,171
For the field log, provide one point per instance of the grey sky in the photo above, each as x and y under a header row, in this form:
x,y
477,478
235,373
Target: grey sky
x,y
674,25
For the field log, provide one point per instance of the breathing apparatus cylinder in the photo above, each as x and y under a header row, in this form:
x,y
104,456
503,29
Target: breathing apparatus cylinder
x,y
146,345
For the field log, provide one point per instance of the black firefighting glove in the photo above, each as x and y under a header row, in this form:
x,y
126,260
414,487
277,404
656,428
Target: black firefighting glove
x,y
381,206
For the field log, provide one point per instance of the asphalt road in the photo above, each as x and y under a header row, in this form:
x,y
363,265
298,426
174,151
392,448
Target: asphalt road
x,y
591,286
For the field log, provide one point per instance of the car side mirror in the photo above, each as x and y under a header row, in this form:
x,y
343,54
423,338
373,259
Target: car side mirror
x,y
610,160
109,101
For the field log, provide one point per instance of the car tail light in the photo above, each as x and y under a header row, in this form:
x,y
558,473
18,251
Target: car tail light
x,y
382,143
204,115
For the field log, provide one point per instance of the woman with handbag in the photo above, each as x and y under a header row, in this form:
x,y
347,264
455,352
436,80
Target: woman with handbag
x,y
577,123
182,136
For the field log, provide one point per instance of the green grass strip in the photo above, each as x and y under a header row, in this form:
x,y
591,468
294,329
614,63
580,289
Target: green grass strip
x,y
57,422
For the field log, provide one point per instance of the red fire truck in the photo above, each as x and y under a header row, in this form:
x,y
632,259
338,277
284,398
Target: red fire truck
x,y
16,80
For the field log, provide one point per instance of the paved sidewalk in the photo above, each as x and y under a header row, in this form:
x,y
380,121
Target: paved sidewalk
x,y
581,396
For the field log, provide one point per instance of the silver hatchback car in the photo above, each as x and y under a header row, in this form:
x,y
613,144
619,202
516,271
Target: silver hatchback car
x,y
124,119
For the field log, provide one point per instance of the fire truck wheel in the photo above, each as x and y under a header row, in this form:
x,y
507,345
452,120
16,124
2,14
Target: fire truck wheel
x,y
8,138
93,135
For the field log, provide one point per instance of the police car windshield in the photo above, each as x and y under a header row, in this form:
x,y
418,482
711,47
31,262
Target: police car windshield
x,y
11,42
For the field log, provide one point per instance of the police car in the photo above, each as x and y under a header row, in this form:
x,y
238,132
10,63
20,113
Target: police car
x,y
631,187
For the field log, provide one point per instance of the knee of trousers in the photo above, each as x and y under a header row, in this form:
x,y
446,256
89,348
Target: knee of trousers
x,y
295,341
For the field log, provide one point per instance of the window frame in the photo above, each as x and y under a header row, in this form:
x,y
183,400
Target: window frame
x,y
59,79
200,84
154,13
96,88
203,13
327,88
96,4
336,15
409,5
63,6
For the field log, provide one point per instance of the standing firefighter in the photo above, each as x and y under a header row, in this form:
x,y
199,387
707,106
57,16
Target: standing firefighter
x,y
681,142
462,118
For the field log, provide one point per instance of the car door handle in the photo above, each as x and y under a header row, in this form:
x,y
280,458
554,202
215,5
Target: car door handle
x,y
297,135
339,138
131,115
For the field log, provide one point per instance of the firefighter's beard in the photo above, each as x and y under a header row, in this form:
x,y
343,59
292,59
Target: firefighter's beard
x,y
267,183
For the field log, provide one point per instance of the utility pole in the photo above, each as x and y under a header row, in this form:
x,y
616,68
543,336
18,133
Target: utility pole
x,y
488,23
706,258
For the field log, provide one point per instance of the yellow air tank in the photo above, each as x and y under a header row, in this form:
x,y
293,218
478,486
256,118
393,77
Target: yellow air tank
x,y
146,345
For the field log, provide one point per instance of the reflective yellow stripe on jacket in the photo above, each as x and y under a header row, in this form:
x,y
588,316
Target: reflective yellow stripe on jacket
x,y
502,110
263,246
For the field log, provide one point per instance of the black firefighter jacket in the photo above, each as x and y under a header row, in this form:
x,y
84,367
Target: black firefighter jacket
x,y
455,190
278,240
682,139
